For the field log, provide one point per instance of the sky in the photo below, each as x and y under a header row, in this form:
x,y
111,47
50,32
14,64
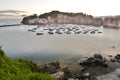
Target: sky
x,y
16,8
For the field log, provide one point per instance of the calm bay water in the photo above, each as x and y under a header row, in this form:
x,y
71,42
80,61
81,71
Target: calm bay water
x,y
19,43
9,21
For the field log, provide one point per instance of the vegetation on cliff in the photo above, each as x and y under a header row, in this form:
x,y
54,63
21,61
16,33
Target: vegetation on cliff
x,y
25,19
53,14
19,69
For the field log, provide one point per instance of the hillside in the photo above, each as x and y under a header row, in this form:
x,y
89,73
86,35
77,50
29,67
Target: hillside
x,y
72,18
57,17
19,69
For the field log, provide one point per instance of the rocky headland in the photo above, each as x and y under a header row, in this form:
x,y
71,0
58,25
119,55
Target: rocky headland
x,y
72,18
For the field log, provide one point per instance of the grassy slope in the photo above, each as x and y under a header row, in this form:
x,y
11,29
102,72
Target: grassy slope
x,y
19,69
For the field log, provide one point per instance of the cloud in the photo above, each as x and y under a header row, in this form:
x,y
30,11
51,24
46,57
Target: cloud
x,y
6,14
11,13
2,12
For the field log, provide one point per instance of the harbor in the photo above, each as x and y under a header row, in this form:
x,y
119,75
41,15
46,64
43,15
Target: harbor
x,y
63,29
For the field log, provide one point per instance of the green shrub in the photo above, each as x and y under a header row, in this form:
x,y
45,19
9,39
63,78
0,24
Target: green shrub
x,y
19,69
1,52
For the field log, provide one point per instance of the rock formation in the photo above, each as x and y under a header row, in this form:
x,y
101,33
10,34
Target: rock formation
x,y
87,69
96,60
59,17
111,76
72,18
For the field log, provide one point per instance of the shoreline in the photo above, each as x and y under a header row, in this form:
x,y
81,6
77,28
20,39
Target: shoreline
x,y
104,26
75,70
10,25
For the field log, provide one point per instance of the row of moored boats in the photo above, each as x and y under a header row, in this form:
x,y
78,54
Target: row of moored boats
x,y
40,30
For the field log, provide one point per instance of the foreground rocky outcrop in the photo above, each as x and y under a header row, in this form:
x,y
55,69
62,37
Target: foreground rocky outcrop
x,y
89,68
111,76
58,75
51,68
96,60
54,68
71,18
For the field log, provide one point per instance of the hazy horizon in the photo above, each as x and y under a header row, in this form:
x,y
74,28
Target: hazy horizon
x,y
16,8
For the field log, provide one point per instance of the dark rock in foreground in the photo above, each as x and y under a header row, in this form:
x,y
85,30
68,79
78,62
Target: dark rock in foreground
x,y
97,60
54,68
117,56
98,56
50,67
87,69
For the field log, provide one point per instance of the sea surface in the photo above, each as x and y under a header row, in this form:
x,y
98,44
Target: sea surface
x,y
9,21
18,42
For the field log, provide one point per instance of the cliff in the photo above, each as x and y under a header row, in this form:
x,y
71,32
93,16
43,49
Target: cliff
x,y
112,22
59,17
72,18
